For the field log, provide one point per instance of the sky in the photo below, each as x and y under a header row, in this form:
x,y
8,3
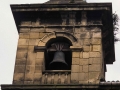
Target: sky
x,y
9,39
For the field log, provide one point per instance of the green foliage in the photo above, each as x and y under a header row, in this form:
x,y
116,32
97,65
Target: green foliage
x,y
115,26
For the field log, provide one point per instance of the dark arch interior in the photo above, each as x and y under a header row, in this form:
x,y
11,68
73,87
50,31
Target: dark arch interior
x,y
49,55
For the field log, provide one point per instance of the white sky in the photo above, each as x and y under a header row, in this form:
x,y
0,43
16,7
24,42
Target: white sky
x,y
9,38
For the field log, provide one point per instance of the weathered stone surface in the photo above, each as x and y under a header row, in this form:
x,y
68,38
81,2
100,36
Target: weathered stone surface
x,y
84,61
75,78
18,77
40,55
31,58
85,54
96,35
29,76
96,47
86,41
24,35
75,61
93,76
95,54
20,61
30,69
94,67
21,55
38,69
19,68
37,77
85,35
85,68
81,76
23,41
34,35
75,54
39,61
86,48
34,41
95,41
81,68
75,68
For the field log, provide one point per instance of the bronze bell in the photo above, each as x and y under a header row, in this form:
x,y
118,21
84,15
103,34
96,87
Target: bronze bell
x,y
58,62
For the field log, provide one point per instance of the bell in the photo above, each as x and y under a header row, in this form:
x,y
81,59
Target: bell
x,y
58,62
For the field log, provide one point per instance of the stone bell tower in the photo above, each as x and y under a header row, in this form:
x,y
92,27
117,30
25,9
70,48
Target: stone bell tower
x,y
63,44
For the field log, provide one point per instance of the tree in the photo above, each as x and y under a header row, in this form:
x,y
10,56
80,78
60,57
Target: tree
x,y
115,26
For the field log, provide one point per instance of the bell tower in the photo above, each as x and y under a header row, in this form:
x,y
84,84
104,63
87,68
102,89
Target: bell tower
x,y
63,44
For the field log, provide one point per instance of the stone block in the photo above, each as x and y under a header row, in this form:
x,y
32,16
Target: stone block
x,y
85,35
95,60
38,77
85,54
86,41
37,30
81,54
23,41
39,61
18,77
40,55
96,47
22,48
95,67
28,82
96,35
95,54
41,35
24,35
34,41
30,69
81,68
75,61
86,48
21,55
84,61
75,54
31,58
74,78
24,30
95,41
85,68
29,76
86,76
21,61
83,82
25,23
31,49
81,76
93,76
75,68
34,35
19,68
18,82
38,69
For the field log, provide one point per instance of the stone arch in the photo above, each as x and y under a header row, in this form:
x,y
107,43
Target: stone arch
x,y
49,36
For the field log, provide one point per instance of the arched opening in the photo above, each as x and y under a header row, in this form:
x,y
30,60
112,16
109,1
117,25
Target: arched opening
x,y
58,55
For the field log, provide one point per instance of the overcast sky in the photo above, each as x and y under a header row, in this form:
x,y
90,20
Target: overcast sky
x,y
9,38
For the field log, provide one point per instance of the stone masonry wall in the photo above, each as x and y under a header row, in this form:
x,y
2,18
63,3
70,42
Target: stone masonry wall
x,y
86,64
